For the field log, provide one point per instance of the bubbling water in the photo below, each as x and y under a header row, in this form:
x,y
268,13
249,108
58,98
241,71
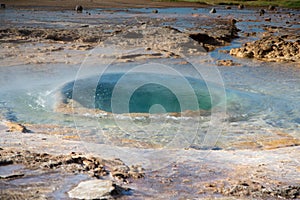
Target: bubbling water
x,y
95,92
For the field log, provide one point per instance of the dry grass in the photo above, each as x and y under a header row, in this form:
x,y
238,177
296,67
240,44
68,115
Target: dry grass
x,y
260,3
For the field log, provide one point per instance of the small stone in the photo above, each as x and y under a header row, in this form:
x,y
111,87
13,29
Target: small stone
x,y
241,6
267,19
228,7
16,127
272,8
213,10
154,11
92,189
233,21
2,6
79,8
11,176
4,161
186,180
227,63
121,168
261,12
223,51
88,164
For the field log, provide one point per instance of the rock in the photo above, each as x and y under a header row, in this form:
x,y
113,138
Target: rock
x,y
89,164
289,192
11,176
51,164
210,41
2,5
79,8
154,11
272,8
92,189
233,21
121,168
268,19
136,171
261,12
16,127
257,189
223,51
227,63
120,172
241,6
270,48
280,143
249,34
4,161
123,172
213,10
228,7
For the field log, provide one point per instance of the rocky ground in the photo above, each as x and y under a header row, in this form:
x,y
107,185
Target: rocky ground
x,y
71,164
159,41
283,48
240,174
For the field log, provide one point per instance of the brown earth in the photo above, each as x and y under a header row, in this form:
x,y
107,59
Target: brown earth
x,y
70,4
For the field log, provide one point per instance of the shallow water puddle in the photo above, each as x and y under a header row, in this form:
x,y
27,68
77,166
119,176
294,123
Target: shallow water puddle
x,y
16,178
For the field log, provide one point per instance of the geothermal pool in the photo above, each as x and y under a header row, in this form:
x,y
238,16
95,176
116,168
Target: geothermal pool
x,y
195,127
185,108
256,97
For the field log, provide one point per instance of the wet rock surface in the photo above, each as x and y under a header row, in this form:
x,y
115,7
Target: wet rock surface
x,y
41,164
209,181
13,126
93,189
58,35
227,63
272,49
240,174
74,162
149,33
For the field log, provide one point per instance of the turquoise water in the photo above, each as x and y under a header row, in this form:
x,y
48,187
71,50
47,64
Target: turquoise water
x,y
145,90
265,92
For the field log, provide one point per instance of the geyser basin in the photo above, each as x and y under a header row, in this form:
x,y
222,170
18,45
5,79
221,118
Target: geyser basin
x,y
139,93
